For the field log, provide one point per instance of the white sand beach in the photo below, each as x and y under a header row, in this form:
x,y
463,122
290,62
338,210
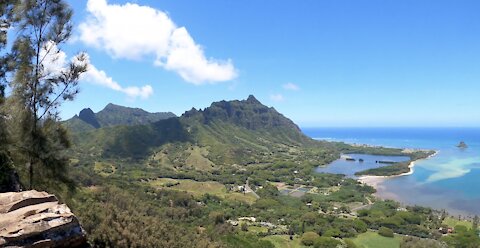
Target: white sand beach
x,y
375,181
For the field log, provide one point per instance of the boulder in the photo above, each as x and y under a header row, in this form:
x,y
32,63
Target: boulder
x,y
37,219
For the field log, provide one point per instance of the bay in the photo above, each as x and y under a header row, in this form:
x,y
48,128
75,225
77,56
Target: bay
x,y
450,180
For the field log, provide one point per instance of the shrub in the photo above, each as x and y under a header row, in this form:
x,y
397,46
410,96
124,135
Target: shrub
x,y
217,217
309,238
244,227
333,232
350,244
360,226
385,232
326,242
309,218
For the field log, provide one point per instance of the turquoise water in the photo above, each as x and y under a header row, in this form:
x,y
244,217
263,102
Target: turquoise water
x,y
348,168
450,180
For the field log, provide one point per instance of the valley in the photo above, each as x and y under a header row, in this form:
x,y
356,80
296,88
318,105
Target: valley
x,y
239,124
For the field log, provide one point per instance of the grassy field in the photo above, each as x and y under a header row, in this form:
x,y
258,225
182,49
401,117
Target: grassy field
x,y
283,241
197,158
163,182
257,229
200,188
373,240
452,222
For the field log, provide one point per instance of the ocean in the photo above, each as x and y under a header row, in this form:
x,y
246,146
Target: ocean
x,y
450,180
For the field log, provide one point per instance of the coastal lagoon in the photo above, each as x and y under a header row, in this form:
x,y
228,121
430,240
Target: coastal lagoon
x,y
350,167
449,180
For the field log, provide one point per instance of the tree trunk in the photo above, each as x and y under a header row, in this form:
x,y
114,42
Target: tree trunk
x,y
30,174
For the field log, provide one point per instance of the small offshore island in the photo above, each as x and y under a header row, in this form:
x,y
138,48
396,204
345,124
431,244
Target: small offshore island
x,y
462,145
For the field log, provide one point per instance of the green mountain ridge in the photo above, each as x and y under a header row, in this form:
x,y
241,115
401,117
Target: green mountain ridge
x,y
226,133
249,113
113,115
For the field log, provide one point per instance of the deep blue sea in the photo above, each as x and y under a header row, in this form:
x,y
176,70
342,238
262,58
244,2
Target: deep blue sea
x,y
450,180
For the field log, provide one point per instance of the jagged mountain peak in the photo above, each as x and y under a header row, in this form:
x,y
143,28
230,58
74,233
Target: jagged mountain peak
x,y
252,99
86,112
115,115
87,115
249,113
116,107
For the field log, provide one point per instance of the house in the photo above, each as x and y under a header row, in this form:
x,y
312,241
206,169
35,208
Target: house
x,y
267,224
446,230
232,222
251,219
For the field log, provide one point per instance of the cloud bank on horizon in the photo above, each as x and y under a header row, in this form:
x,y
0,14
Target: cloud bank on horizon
x,y
151,32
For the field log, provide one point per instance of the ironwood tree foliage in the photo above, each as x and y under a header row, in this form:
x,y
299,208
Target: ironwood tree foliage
x,y
475,222
6,169
41,80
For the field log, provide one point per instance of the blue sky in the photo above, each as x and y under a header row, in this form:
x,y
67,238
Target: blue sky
x,y
321,63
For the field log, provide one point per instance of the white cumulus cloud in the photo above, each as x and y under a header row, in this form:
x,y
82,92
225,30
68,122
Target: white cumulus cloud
x,y
277,97
291,86
135,32
55,61
96,76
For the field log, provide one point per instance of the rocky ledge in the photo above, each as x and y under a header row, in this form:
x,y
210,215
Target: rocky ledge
x,y
37,219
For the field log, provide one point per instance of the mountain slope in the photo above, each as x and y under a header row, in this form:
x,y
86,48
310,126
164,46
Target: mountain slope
x,y
226,133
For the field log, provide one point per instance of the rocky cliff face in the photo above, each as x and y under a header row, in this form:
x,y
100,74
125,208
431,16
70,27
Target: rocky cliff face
x,y
89,117
250,114
37,219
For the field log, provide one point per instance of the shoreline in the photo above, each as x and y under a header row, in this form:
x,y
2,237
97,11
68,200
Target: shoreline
x,y
374,181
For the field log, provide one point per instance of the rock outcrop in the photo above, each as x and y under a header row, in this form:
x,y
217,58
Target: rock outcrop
x,y
462,145
89,117
37,219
